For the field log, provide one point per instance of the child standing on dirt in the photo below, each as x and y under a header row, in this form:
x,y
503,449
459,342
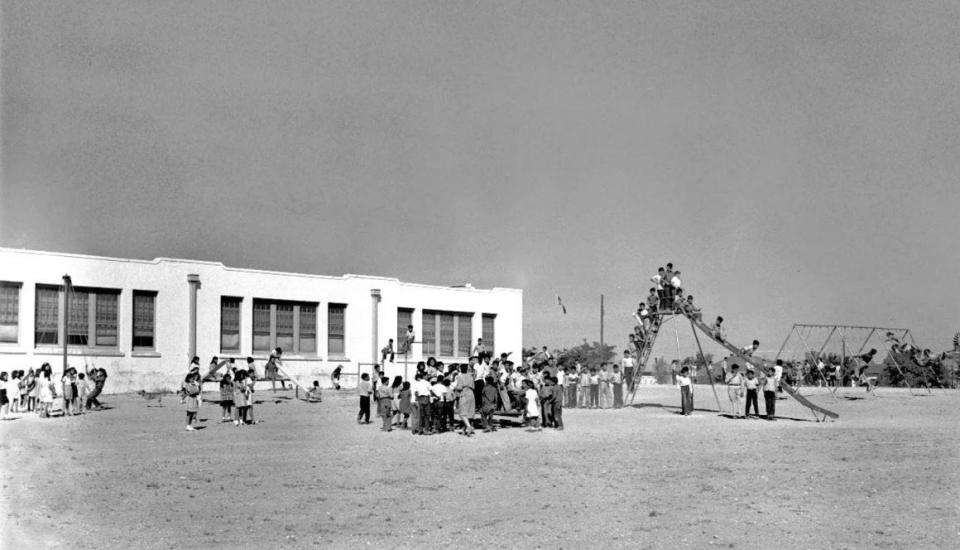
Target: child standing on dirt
x,y
191,390
686,391
770,394
404,406
47,393
226,398
364,390
735,387
533,405
752,385
385,403
557,409
594,389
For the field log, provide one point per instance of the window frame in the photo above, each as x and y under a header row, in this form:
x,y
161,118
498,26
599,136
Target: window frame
x,y
297,306
342,335
489,338
152,294
239,330
433,329
16,313
86,323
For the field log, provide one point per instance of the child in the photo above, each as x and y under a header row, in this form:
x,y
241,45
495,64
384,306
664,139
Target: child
x,y
249,381
226,398
385,403
191,390
584,388
594,389
4,400
439,392
364,390
239,398
752,385
404,406
68,392
557,409
488,404
46,393
717,329
734,388
695,312
686,391
13,390
83,390
32,385
547,397
314,396
533,406
770,394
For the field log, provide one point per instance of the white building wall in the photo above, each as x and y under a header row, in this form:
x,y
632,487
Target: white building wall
x,y
165,366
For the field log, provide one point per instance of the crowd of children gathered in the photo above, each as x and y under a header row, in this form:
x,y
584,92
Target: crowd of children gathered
x,y
40,391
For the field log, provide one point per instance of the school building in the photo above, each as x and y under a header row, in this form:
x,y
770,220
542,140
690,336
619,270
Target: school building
x,y
143,320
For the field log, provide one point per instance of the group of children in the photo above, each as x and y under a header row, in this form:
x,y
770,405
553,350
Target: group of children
x,y
39,391
445,398
236,390
747,386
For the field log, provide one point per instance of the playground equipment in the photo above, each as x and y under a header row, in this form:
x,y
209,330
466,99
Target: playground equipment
x,y
820,413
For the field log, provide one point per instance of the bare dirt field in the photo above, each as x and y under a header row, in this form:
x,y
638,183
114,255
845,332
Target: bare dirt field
x,y
884,476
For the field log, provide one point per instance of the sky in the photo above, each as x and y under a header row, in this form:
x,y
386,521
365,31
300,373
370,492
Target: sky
x,y
797,161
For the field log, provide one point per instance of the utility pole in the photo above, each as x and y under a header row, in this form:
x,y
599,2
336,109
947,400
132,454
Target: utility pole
x,y
603,351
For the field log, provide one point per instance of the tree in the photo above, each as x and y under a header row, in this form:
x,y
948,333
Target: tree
x,y
587,354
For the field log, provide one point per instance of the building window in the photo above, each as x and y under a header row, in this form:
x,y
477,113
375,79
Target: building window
x,y
404,319
429,337
144,319
464,335
336,329
308,328
9,312
230,324
47,322
291,326
489,320
92,320
454,331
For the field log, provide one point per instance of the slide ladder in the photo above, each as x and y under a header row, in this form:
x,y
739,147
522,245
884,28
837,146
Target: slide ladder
x,y
643,355
761,364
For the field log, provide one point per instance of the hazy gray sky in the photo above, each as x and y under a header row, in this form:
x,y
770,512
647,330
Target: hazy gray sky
x,y
797,161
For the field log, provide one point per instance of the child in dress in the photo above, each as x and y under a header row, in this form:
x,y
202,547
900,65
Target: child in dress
x,y
533,406
68,392
249,382
13,390
46,393
405,396
226,398
239,397
83,390
191,390
32,385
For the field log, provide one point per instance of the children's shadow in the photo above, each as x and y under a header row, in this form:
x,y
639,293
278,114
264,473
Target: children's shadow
x,y
198,428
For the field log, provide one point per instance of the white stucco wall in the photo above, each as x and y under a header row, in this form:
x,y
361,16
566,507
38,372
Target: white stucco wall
x,y
165,366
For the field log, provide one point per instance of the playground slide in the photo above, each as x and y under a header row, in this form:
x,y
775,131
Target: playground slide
x,y
760,363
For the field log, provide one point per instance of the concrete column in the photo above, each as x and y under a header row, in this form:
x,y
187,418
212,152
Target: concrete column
x,y
193,280
375,325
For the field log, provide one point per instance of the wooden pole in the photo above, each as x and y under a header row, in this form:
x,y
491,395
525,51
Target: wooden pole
x,y
67,289
603,353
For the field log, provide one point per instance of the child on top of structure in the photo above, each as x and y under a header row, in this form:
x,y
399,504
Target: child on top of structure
x,y
679,302
659,285
717,330
749,350
735,386
387,352
653,301
693,311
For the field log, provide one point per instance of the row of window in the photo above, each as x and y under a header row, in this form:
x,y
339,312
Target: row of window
x,y
291,326
93,322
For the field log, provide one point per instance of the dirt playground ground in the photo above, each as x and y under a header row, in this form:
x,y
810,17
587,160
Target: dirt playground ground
x,y
884,476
